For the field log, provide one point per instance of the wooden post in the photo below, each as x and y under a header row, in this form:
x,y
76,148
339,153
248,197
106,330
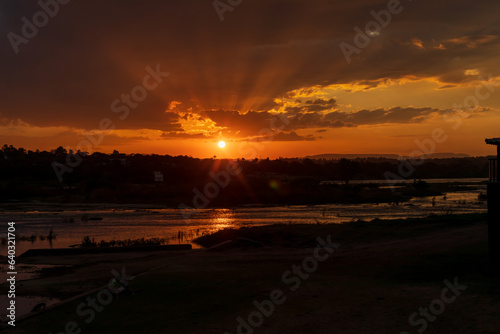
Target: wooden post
x,y
494,226
494,219
498,164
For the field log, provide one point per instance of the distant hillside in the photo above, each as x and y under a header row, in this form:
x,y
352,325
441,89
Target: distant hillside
x,y
384,156
448,155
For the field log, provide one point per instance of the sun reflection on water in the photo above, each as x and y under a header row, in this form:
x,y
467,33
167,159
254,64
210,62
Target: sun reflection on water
x,y
221,219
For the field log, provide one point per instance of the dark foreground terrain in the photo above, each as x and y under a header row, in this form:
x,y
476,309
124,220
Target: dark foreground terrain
x,y
372,278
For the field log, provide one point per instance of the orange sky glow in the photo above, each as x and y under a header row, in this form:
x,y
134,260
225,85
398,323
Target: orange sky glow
x,y
171,78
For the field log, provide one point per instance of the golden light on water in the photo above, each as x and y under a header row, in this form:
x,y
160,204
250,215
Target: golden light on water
x,y
221,219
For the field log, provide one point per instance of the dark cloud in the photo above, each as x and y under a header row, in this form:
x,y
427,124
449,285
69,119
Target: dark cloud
x,y
319,105
246,124
259,122
92,52
183,135
337,119
447,86
312,106
284,136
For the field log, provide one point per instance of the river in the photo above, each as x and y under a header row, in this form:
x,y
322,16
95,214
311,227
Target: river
x,y
71,222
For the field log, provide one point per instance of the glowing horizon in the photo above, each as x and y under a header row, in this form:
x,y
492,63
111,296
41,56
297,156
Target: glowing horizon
x,y
179,98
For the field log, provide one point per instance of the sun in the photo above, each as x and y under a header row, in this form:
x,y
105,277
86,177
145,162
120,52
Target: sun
x,y
222,144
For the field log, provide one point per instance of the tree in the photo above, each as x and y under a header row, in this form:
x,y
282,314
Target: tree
x,y
348,169
60,152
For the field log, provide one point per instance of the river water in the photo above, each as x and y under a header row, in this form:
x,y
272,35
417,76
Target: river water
x,y
71,223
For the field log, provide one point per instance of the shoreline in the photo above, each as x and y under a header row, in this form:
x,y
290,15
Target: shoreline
x,y
373,258
332,192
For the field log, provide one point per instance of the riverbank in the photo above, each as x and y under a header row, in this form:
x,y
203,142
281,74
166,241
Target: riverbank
x,y
73,223
263,192
380,274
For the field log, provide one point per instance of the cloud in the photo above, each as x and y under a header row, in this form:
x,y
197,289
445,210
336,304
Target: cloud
x,y
472,41
284,136
323,102
173,104
417,42
183,135
319,105
243,124
447,86
232,73
257,122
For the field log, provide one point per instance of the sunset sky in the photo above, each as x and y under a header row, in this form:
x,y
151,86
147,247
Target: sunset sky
x,y
266,64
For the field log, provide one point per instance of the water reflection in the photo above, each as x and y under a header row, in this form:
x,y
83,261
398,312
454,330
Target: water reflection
x,y
221,219
125,222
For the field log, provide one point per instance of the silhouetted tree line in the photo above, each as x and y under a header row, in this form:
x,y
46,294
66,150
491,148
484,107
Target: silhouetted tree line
x,y
119,177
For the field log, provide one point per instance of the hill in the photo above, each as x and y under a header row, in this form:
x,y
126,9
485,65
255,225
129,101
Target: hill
x,y
333,156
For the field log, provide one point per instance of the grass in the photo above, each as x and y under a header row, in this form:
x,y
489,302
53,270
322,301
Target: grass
x,y
87,242
304,235
32,238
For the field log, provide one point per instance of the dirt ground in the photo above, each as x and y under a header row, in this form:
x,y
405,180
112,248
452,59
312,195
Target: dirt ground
x,y
384,278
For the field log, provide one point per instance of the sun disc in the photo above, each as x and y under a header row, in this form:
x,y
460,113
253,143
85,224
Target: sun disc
x,y
222,144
